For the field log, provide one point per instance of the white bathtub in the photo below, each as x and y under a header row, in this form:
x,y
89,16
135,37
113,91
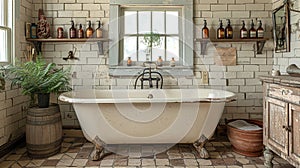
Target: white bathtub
x,y
148,116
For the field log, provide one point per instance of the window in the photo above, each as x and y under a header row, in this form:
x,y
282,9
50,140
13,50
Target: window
x,y
6,22
131,20
140,21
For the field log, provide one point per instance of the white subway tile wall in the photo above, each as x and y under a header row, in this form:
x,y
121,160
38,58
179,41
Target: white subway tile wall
x,y
92,69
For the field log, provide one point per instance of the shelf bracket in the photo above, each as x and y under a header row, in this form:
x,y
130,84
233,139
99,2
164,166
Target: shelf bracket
x,y
38,46
100,47
260,45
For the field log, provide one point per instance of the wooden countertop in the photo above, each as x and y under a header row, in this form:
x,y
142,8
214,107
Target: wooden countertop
x,y
282,79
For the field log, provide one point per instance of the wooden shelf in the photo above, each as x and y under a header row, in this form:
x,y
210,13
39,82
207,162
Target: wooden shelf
x,y
260,42
38,42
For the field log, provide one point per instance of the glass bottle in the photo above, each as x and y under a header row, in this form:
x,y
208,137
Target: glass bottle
x,y
172,62
228,30
220,31
33,30
260,30
129,61
99,30
60,32
252,31
159,61
243,31
80,32
72,30
89,31
205,31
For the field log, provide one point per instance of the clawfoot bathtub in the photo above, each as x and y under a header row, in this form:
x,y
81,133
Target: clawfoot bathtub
x,y
165,116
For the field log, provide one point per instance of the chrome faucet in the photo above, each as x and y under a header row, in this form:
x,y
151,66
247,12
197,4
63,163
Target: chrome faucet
x,y
149,75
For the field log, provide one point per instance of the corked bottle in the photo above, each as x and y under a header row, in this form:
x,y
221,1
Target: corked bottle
x,y
72,30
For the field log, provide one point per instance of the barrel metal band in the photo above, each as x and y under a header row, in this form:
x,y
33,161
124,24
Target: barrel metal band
x,y
52,121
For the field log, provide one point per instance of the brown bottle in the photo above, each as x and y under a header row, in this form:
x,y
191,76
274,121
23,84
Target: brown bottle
x,y
220,31
60,32
260,30
99,30
252,31
205,31
228,30
80,32
243,31
72,30
89,31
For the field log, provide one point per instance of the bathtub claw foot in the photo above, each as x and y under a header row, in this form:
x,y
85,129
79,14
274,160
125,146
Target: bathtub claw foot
x,y
199,145
99,151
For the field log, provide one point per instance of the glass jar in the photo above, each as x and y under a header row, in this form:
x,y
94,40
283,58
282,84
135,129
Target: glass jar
x,y
172,62
159,61
60,32
129,61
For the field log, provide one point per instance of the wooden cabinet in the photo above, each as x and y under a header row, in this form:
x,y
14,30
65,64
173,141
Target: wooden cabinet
x,y
281,119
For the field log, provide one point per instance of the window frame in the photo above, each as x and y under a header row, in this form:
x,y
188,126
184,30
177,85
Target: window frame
x,y
8,13
115,27
151,9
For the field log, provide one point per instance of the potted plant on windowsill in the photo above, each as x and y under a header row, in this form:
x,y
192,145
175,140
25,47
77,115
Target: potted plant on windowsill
x,y
39,78
151,39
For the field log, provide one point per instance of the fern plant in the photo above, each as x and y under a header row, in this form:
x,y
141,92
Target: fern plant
x,y
152,39
39,77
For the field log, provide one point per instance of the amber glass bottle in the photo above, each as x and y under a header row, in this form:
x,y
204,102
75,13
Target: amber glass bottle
x,y
260,30
220,31
99,30
228,30
243,31
205,31
89,30
72,30
252,31
80,32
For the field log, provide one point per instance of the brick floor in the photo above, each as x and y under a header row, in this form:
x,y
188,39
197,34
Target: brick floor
x,y
76,152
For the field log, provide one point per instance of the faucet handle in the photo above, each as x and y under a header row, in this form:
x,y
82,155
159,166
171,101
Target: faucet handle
x,y
150,64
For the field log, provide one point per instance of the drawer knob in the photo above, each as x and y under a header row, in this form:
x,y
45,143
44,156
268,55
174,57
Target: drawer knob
x,y
287,128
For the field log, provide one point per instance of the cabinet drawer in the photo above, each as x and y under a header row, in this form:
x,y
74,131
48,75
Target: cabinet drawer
x,y
285,93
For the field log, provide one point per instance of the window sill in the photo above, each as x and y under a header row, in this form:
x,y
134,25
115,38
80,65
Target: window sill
x,y
133,71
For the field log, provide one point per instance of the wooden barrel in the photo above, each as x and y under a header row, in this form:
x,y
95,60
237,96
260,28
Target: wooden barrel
x,y
247,143
43,131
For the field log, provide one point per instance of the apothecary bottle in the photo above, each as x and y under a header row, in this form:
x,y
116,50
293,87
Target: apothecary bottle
x,y
220,31
33,30
228,30
159,61
99,30
60,32
205,31
89,31
260,30
80,32
172,62
252,31
243,31
129,61
72,30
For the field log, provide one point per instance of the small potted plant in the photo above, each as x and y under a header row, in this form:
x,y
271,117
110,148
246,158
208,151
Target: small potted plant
x,y
151,40
39,77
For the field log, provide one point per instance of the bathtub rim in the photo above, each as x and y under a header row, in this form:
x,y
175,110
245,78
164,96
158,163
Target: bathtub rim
x,y
66,98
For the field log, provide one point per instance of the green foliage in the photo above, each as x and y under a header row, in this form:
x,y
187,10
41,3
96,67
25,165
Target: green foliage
x,y
2,78
152,40
39,77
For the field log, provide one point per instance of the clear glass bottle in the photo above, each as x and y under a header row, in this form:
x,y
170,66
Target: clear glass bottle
x,y
228,30
172,62
129,61
205,31
99,30
72,30
80,32
89,31
252,31
159,61
243,31
220,31
260,30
